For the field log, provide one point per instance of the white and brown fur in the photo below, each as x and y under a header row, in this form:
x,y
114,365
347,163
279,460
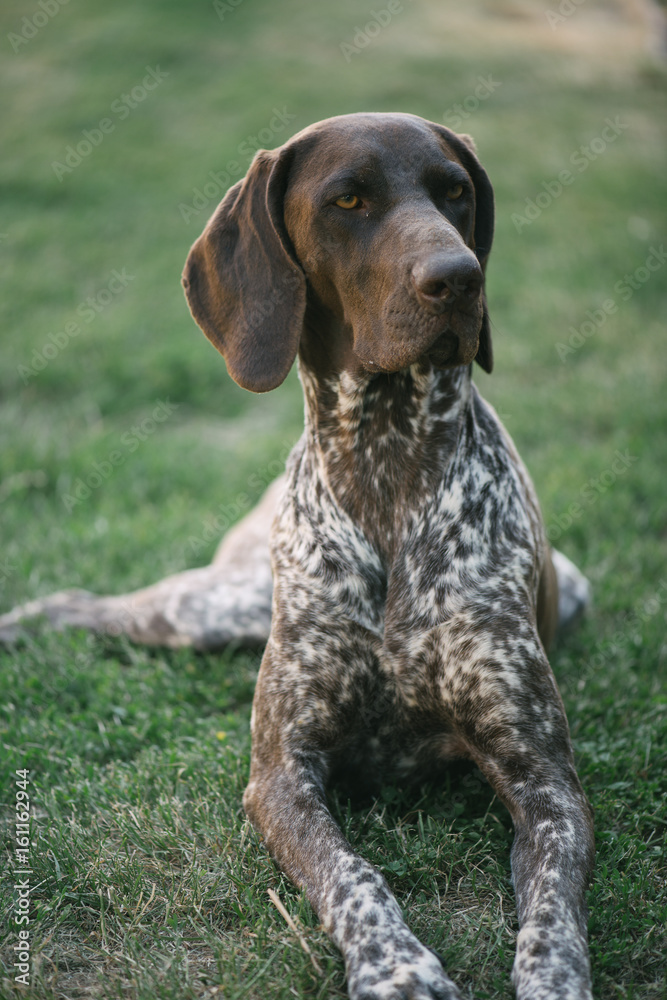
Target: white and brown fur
x,y
413,591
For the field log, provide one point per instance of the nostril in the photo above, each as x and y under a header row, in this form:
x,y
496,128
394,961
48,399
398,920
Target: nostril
x,y
442,278
436,289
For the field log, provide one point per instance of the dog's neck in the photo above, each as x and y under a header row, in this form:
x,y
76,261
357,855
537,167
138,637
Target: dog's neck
x,y
383,442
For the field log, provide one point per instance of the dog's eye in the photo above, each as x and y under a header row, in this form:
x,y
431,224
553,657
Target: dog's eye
x,y
455,192
348,201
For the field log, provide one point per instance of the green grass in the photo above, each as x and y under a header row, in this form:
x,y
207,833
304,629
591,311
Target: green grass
x,y
148,882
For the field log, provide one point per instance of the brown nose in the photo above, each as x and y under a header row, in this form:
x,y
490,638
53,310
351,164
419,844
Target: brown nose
x,y
442,278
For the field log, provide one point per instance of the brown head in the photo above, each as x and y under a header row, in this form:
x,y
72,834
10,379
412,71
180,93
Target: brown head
x,y
361,242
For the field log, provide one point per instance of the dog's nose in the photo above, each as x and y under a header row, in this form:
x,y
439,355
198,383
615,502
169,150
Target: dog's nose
x,y
442,278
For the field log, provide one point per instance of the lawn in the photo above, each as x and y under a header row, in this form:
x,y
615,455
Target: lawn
x,y
123,125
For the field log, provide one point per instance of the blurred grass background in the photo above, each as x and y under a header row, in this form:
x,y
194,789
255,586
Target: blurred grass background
x,y
150,882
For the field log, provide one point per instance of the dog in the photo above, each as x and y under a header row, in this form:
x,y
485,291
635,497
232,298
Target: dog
x,y
410,593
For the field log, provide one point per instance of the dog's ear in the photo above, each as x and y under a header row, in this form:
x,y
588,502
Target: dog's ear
x,y
484,356
468,140
242,281
465,149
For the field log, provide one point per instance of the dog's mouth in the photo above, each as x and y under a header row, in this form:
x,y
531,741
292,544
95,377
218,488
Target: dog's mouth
x,y
456,339
451,350
411,335
448,350
449,333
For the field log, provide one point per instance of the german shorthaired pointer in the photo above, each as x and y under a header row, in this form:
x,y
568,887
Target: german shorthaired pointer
x,y
414,593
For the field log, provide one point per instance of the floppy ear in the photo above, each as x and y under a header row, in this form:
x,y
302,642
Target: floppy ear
x,y
242,281
465,149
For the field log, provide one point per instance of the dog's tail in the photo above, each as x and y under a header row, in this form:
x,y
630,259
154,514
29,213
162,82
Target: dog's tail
x,y
574,591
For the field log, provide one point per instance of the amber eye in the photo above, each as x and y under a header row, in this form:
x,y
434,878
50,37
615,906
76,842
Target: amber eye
x,y
348,201
455,192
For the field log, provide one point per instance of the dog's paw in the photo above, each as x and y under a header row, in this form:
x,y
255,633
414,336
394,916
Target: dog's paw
x,y
412,973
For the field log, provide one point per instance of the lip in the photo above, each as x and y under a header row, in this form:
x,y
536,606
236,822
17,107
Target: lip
x,y
447,341
444,350
452,349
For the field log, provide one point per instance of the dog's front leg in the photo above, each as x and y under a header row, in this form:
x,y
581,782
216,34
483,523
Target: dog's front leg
x,y
511,717
285,801
552,857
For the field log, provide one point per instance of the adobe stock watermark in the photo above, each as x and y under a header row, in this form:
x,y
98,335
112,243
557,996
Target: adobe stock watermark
x,y
455,116
565,9
100,472
363,36
213,189
22,870
7,570
18,482
625,289
633,624
581,159
87,311
33,23
590,493
214,525
122,107
125,616
263,309
225,7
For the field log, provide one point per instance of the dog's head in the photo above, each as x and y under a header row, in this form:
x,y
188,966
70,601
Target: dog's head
x,y
367,233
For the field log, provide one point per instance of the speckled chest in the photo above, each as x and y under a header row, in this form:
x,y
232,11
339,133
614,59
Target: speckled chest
x,y
389,530
394,527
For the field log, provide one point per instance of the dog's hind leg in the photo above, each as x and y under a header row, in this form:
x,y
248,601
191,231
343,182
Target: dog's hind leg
x,y
208,608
